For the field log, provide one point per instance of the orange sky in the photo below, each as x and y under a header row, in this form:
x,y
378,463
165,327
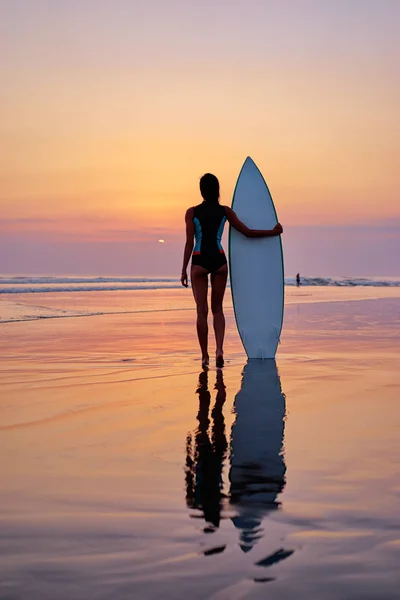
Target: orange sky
x,y
110,116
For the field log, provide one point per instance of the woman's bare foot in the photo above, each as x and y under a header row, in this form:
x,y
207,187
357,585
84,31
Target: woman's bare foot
x,y
219,361
205,361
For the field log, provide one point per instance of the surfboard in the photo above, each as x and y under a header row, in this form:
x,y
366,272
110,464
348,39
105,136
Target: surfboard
x,y
256,266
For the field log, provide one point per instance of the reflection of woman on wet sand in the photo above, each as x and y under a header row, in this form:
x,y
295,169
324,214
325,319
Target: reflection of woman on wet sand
x,y
205,456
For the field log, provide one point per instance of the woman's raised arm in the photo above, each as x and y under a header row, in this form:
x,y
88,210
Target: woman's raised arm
x,y
246,231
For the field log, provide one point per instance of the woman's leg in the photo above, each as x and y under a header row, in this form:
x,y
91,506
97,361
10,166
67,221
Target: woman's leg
x,y
218,285
199,279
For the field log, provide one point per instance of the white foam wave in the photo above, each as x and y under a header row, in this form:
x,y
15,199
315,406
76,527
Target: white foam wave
x,y
20,279
31,285
345,281
84,288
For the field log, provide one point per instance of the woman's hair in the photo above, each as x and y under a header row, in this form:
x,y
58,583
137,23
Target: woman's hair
x,y
209,188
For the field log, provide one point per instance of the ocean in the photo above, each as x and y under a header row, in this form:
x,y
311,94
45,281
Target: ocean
x,y
27,298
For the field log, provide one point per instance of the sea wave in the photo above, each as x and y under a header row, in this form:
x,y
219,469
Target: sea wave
x,y
84,288
44,284
345,281
20,279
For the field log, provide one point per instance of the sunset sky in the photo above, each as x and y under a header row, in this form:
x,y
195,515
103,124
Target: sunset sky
x,y
111,110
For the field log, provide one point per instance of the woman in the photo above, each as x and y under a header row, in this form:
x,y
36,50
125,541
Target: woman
x,y
205,223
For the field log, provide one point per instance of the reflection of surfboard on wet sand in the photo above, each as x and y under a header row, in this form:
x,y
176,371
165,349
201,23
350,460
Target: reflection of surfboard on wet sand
x,y
257,470
256,266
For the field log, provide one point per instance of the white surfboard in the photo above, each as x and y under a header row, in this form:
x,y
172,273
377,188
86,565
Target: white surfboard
x,y
256,266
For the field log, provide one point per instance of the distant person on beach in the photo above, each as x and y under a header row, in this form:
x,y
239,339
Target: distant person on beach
x,y
298,279
204,227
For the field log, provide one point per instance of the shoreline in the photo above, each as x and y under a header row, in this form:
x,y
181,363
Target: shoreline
x,y
58,305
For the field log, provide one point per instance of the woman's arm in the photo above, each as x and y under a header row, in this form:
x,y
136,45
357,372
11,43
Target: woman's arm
x,y
188,246
250,233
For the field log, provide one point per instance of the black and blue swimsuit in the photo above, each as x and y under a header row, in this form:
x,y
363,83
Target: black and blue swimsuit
x,y
209,220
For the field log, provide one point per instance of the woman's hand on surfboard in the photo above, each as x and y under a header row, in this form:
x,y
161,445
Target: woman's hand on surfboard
x,y
184,279
246,231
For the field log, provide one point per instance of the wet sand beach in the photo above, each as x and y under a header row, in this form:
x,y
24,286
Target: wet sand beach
x,y
128,472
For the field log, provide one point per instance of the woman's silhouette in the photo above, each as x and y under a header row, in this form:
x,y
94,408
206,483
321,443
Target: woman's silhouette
x,y
205,223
